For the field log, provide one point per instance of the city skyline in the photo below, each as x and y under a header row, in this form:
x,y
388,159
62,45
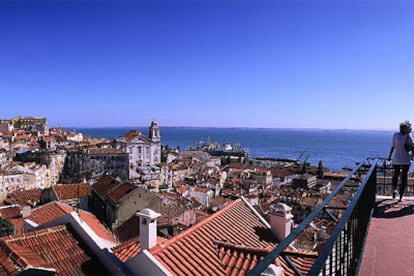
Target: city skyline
x,y
264,64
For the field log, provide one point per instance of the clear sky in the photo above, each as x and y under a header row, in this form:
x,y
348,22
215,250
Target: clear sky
x,y
299,64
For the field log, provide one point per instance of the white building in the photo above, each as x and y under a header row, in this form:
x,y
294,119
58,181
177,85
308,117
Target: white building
x,y
11,181
41,176
142,150
202,195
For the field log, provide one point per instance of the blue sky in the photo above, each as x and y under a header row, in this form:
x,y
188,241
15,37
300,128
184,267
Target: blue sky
x,y
299,64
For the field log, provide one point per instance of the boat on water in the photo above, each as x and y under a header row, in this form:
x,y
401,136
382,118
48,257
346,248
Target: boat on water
x,y
222,150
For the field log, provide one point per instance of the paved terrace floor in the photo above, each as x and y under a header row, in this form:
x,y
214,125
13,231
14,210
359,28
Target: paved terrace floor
x,y
389,248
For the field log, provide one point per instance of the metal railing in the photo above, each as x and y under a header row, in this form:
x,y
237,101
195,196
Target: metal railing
x,y
342,252
385,172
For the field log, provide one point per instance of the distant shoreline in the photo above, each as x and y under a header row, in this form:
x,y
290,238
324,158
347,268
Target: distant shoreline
x,y
246,128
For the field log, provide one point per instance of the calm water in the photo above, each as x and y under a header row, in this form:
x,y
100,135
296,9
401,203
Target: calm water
x,y
336,148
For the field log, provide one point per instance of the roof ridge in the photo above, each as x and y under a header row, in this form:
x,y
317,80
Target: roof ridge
x,y
237,246
193,228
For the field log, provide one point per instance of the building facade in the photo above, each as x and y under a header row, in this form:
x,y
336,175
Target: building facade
x,y
114,202
142,150
92,163
26,123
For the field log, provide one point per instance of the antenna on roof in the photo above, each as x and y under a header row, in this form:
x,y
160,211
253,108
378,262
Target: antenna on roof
x,y
78,200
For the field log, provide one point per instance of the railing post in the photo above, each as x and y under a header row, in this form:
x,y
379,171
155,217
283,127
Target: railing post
x,y
342,252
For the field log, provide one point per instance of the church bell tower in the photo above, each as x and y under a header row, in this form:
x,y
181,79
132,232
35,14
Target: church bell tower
x,y
154,132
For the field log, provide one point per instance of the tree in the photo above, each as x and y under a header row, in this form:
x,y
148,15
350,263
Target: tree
x,y
320,172
228,160
304,167
6,228
163,156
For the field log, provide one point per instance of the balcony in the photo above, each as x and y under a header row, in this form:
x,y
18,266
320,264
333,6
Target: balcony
x,y
372,236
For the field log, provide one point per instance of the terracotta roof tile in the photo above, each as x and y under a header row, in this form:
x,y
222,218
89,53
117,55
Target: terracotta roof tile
x,y
129,249
183,189
201,190
120,192
217,201
128,230
55,247
104,184
51,211
237,223
179,183
69,191
230,242
26,197
10,212
131,134
105,151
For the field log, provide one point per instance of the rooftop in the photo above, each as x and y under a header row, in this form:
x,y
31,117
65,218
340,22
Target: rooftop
x,y
51,211
233,240
70,191
52,248
389,248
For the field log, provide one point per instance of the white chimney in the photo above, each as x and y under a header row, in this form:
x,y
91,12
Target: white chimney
x,y
281,220
26,211
148,228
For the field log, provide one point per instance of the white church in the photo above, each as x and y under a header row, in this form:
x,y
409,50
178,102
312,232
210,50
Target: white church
x,y
142,150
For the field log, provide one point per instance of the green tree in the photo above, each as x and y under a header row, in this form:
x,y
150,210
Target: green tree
x,y
163,156
228,160
6,228
304,167
320,172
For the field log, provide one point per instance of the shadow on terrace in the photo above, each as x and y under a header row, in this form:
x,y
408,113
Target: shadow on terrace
x,y
370,236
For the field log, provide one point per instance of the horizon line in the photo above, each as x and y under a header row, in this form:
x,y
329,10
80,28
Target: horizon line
x,y
229,127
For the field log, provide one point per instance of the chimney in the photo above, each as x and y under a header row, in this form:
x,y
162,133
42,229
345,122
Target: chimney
x,y
281,220
26,211
148,228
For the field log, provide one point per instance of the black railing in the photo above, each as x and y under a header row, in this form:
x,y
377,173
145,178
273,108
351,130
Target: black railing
x,y
342,252
384,179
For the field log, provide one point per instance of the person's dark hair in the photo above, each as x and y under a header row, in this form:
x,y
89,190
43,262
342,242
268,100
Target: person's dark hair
x,y
405,127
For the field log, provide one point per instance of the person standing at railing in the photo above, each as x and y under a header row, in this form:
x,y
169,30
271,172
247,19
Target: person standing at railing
x,y
402,153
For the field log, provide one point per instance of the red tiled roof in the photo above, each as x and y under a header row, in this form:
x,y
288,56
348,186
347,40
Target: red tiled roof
x,y
97,226
105,151
201,190
183,189
128,230
46,213
54,247
237,223
202,215
230,242
69,191
120,192
54,210
129,249
26,197
104,184
238,259
212,181
179,183
132,134
217,201
10,212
